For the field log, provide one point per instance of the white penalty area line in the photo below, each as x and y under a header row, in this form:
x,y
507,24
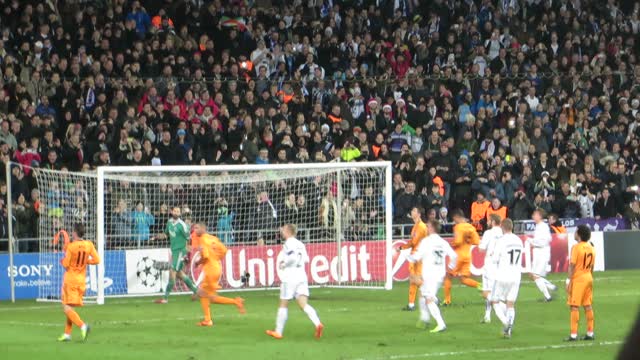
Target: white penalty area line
x,y
496,350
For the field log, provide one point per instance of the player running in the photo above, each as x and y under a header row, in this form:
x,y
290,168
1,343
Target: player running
x,y
487,244
432,252
580,282
541,251
507,256
78,254
178,232
464,236
418,232
212,252
294,282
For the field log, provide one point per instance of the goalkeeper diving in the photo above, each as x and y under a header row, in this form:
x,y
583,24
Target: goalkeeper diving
x,y
178,233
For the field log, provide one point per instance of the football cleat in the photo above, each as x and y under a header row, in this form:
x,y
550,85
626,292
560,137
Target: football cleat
x,y
85,331
588,338
486,320
319,330
438,329
64,338
409,308
274,334
204,323
507,332
571,338
161,301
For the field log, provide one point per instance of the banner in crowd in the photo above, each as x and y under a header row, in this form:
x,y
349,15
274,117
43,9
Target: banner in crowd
x,y
612,224
35,271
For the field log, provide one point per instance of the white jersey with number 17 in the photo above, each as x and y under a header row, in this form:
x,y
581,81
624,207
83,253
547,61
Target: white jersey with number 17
x,y
508,258
432,251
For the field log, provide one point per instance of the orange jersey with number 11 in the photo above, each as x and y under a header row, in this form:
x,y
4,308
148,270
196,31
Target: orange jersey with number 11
x,y
78,255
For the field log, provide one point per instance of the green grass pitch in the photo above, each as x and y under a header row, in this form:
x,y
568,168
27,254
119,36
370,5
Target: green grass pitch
x,y
359,324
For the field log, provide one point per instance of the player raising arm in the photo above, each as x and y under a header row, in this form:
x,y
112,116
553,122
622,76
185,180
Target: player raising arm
x,y
418,232
432,252
507,256
580,282
541,251
178,232
212,252
79,253
487,244
294,282
464,236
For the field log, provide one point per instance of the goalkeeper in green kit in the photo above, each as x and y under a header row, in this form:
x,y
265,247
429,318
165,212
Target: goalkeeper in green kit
x,y
178,232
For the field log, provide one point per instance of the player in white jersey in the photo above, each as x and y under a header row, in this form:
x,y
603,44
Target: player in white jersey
x,y
507,257
432,251
294,282
487,245
541,252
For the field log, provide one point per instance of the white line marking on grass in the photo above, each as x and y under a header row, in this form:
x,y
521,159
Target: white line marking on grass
x,y
495,350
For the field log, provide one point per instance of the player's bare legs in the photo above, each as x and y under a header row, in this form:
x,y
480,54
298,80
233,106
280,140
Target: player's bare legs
x,y
73,319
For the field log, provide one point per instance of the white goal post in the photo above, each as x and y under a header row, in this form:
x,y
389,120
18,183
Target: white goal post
x,y
343,212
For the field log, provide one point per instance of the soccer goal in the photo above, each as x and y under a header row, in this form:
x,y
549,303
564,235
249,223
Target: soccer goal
x,y
342,212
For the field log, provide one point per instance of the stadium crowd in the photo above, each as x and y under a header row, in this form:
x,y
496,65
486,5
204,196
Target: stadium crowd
x,y
488,106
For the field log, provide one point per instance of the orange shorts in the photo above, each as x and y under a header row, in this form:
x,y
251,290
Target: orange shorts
x,y
211,281
463,267
581,293
72,294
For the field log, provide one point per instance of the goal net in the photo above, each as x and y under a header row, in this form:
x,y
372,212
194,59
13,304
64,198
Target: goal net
x,y
342,211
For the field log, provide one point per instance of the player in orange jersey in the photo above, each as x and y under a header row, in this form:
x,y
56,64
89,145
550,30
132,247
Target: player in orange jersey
x,y
418,232
78,254
464,236
212,252
580,282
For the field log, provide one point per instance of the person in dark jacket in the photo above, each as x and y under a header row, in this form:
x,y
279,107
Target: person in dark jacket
x,y
605,206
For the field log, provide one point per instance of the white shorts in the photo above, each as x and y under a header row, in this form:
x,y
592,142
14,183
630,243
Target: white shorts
x,y
540,262
487,281
505,291
430,288
292,290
